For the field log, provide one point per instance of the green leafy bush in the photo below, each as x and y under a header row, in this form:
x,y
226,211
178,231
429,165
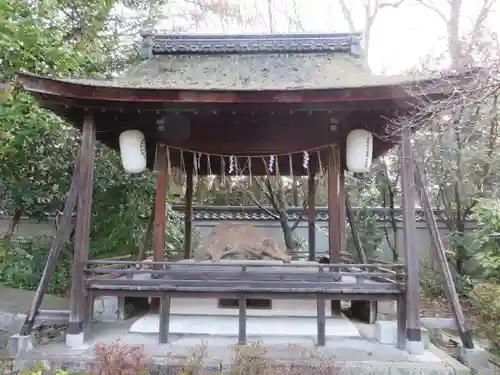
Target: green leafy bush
x,y
486,299
487,238
431,285
25,260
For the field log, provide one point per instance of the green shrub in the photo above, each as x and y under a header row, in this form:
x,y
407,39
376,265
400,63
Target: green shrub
x,y
24,262
487,238
431,284
486,300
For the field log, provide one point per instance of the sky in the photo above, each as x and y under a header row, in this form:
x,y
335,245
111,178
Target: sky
x,y
401,38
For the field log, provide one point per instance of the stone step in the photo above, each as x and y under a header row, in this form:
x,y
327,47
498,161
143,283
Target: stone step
x,y
256,326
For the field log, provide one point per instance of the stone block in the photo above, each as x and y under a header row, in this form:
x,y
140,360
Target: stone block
x,y
425,338
106,309
17,345
75,340
386,332
11,322
476,358
386,310
415,347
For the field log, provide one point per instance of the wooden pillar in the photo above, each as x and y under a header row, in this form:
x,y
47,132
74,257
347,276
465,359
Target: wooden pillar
x,y
412,251
160,202
333,212
354,231
188,214
342,213
440,256
159,213
59,240
311,213
75,335
333,204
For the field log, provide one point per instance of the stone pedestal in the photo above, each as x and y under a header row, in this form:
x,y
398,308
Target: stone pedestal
x,y
18,345
476,359
386,332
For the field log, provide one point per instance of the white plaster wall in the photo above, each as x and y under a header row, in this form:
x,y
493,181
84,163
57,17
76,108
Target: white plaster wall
x,y
209,306
28,228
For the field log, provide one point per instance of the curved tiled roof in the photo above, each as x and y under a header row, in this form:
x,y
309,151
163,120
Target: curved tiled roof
x,y
243,213
267,62
248,213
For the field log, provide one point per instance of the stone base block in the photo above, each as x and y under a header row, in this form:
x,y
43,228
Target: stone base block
x,y
425,338
415,347
107,309
18,345
386,310
75,341
111,309
476,359
386,332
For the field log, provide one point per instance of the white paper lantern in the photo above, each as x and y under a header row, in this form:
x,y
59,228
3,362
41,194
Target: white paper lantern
x,y
359,151
133,151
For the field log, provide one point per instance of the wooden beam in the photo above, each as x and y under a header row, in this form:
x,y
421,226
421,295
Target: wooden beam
x,y
401,322
333,213
160,202
242,320
367,94
59,240
164,318
440,256
147,236
161,167
354,231
412,251
342,213
188,214
321,320
82,230
311,213
333,204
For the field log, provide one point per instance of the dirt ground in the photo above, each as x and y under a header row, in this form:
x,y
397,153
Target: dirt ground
x,y
440,308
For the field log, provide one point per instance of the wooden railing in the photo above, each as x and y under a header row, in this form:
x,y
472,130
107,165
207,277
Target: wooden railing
x,y
247,279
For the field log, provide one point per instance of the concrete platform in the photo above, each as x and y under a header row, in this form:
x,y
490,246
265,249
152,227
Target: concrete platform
x,y
256,326
14,304
353,356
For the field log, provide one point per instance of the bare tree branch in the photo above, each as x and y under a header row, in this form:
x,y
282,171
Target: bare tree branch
x,y
301,216
434,9
347,15
260,205
389,4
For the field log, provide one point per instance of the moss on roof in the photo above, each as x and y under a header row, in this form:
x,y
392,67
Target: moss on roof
x,y
250,72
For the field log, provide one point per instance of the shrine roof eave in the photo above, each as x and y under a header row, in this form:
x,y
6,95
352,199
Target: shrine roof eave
x,y
84,90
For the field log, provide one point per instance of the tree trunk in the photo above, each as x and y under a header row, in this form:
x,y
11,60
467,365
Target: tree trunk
x,y
295,190
14,223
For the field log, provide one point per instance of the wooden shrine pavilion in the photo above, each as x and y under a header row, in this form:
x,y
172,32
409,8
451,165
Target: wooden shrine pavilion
x,y
250,105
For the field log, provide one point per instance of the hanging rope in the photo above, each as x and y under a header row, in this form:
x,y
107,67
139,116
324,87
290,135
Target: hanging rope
x,y
234,160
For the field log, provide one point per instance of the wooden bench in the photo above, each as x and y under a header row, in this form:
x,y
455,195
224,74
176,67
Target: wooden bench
x,y
242,283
